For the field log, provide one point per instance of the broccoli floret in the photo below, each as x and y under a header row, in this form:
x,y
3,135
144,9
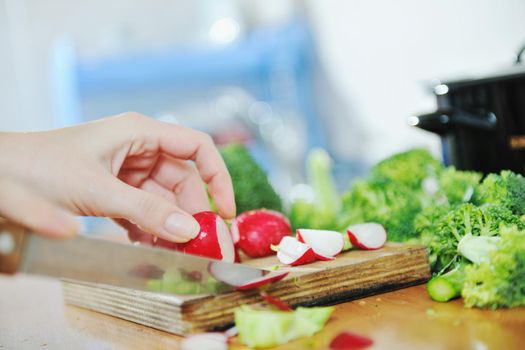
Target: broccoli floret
x,y
506,189
322,212
408,168
392,205
458,186
426,225
500,281
250,183
466,219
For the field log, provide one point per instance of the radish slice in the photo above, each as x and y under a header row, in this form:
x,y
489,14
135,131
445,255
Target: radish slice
x,y
278,303
208,341
292,252
325,244
367,236
347,340
243,278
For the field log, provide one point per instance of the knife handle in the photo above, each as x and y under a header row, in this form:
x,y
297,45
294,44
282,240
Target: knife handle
x,y
12,240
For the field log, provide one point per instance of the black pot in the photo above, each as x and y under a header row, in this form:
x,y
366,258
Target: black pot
x,y
481,121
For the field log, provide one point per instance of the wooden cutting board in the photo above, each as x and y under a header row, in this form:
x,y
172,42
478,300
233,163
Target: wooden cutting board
x,y
351,275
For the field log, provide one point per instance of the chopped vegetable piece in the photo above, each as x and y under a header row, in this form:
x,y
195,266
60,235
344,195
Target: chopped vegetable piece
x,y
368,236
348,341
447,286
278,303
292,252
265,328
325,244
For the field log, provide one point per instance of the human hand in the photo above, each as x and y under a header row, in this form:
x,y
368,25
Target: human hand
x,y
130,168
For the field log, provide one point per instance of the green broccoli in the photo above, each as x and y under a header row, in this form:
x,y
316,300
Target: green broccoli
x,y
250,184
322,212
506,189
465,220
395,206
499,281
408,168
458,186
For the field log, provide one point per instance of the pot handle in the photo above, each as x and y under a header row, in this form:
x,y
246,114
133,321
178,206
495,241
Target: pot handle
x,y
519,54
444,121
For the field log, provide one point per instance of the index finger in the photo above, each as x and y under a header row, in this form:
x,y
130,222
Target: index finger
x,y
185,143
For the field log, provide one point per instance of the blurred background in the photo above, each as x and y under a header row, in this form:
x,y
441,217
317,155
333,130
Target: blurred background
x,y
281,76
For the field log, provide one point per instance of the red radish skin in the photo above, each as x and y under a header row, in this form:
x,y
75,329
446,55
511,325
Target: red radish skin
x,y
213,241
278,303
325,244
294,253
243,279
348,341
256,230
266,279
368,236
208,341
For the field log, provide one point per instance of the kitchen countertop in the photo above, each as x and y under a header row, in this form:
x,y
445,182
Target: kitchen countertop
x,y
33,316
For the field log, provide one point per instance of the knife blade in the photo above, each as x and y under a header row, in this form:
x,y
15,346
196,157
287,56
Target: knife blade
x,y
124,265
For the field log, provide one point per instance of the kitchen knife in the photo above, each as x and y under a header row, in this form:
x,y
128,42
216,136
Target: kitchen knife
x,y
124,265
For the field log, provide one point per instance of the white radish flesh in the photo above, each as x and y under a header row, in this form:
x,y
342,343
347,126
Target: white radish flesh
x,y
243,278
325,244
225,240
368,236
292,252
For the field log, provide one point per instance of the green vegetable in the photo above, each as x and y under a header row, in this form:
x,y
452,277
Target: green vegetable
x,y
176,283
499,281
408,168
506,189
250,183
465,220
447,286
267,328
321,213
458,186
392,205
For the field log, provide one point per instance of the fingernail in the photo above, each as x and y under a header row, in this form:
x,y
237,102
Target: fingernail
x,y
181,225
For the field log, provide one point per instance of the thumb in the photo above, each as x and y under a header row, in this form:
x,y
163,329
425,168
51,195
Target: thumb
x,y
18,204
150,212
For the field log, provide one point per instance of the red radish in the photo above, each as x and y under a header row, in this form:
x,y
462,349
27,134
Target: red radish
x,y
292,252
368,236
213,241
348,341
278,303
325,244
255,231
208,341
240,279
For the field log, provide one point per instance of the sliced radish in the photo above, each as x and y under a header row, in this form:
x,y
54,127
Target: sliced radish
x,y
213,241
325,244
347,341
292,252
243,278
208,341
368,236
278,303
255,231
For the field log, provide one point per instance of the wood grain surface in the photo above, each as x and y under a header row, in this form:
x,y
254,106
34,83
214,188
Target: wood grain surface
x,y
33,316
351,275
